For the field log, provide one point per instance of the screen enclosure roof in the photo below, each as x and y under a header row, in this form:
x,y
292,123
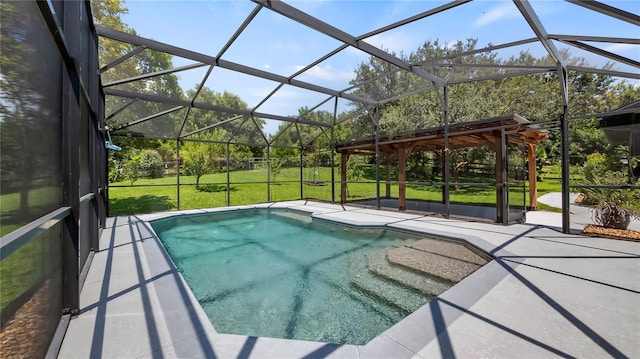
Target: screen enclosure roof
x,y
287,60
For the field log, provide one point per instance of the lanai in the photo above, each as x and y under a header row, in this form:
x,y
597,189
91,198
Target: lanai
x,y
496,133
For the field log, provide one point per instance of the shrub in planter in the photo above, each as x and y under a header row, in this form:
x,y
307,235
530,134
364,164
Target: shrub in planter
x,y
613,207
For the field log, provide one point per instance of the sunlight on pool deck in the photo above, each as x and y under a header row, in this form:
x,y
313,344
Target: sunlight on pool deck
x,y
545,294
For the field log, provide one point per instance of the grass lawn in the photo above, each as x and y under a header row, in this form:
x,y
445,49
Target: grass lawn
x,y
154,195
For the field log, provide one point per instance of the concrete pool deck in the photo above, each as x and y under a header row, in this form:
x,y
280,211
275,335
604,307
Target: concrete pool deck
x,y
546,294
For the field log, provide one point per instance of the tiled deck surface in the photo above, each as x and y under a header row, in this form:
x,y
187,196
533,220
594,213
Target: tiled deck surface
x,y
546,294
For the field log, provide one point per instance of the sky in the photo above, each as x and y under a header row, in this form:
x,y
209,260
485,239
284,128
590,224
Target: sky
x,y
276,44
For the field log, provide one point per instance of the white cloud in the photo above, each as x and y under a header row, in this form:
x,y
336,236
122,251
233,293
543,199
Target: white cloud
x,y
504,11
327,73
620,48
398,41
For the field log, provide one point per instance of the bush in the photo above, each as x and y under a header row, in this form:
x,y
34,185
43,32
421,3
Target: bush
x,y
612,206
596,166
151,164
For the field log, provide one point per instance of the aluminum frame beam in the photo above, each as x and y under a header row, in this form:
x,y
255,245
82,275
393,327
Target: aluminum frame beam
x,y
153,74
335,33
608,10
534,22
204,106
607,54
210,60
417,17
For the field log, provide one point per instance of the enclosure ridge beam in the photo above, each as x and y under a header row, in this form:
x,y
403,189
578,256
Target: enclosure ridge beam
x,y
154,74
203,106
604,53
352,115
616,40
290,119
276,89
320,26
603,114
239,31
417,17
318,61
534,22
212,126
287,81
497,66
503,76
608,10
116,62
154,45
383,74
177,51
124,107
406,94
479,51
162,113
630,75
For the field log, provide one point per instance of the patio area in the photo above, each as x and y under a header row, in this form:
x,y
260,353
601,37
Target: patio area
x,y
546,294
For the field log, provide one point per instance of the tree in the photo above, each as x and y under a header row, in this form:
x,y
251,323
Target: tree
x,y
199,156
197,159
132,169
241,128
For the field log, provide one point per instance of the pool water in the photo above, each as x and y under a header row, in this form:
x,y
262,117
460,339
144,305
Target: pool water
x,y
278,273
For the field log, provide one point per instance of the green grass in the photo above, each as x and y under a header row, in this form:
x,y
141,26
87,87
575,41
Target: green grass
x,y
22,269
40,201
147,197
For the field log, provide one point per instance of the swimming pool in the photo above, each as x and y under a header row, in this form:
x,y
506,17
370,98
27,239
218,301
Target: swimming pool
x,y
280,273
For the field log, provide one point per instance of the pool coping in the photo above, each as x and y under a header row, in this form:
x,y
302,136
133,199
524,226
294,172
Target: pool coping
x,y
183,329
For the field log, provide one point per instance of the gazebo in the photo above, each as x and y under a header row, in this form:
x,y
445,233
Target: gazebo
x,y
496,133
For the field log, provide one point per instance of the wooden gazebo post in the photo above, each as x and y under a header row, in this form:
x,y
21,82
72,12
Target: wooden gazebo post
x,y
402,178
533,176
343,176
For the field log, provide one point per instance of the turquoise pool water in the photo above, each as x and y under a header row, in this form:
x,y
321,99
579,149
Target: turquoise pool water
x,y
278,273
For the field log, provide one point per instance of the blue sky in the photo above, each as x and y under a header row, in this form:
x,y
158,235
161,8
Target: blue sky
x,y
276,44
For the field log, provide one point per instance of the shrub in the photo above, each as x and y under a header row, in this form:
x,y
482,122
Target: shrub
x,y
612,206
151,164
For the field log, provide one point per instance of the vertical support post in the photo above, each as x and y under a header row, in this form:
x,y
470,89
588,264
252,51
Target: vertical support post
x,y
502,215
228,199
447,156
343,177
178,161
377,139
70,163
387,161
533,176
402,179
333,152
301,174
564,129
268,172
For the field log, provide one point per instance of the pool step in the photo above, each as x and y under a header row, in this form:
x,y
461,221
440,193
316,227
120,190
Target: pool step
x,y
396,295
446,260
449,249
419,281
